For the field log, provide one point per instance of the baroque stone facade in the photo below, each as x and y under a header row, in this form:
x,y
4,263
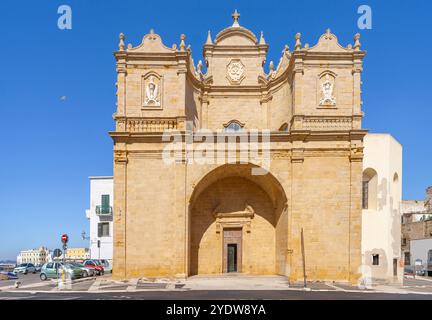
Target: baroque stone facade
x,y
183,217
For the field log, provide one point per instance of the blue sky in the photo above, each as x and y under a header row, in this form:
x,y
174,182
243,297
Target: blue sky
x,y
50,146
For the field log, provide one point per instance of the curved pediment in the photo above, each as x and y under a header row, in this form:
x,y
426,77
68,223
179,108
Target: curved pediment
x,y
151,42
328,42
236,36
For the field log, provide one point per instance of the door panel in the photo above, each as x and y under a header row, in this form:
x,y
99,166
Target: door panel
x,y
232,250
232,257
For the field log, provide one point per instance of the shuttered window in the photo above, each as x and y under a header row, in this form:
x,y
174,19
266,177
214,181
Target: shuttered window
x,y
105,203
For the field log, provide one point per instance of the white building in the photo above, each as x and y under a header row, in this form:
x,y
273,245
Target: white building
x,y
35,256
381,220
421,253
100,215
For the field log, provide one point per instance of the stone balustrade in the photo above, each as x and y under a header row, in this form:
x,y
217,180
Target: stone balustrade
x,y
148,124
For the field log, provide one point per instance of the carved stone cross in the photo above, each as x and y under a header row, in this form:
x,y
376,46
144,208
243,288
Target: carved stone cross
x,y
235,17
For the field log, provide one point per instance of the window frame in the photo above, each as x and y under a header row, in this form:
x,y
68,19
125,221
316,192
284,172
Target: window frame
x,y
100,229
375,262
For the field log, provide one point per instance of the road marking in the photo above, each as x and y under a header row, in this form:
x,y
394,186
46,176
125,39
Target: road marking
x,y
335,287
70,298
132,285
95,286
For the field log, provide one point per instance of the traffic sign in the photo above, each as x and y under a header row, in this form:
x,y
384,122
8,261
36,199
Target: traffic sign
x,y
64,238
57,253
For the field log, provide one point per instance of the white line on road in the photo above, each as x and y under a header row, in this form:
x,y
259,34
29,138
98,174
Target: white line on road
x,y
132,285
95,286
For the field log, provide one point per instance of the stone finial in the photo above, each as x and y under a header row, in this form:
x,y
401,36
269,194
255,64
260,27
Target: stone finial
x,y
306,46
182,42
272,72
285,50
271,66
235,17
209,39
199,67
152,31
357,42
262,40
298,42
121,42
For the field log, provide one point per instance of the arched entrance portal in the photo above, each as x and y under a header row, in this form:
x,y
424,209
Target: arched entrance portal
x,y
238,223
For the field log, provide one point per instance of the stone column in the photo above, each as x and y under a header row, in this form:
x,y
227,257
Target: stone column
x,y
355,215
120,211
295,219
180,224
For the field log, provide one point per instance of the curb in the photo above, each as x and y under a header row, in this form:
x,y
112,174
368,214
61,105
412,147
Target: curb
x,y
41,284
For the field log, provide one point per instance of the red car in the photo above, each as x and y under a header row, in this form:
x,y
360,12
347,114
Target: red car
x,y
92,264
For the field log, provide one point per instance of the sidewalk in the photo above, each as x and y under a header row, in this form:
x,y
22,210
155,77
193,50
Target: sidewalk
x,y
105,284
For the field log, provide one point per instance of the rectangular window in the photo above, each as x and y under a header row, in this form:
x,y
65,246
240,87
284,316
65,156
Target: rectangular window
x,y
105,207
103,229
365,194
375,259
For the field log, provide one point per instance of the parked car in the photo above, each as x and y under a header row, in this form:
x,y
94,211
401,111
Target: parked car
x,y
87,272
93,264
38,267
7,275
419,271
52,270
408,271
25,268
106,265
74,272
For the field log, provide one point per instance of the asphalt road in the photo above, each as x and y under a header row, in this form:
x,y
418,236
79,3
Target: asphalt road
x,y
213,295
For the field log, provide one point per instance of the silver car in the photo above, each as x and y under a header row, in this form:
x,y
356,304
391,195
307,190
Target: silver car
x,y
25,268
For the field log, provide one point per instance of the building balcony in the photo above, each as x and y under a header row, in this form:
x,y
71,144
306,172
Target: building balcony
x,y
103,210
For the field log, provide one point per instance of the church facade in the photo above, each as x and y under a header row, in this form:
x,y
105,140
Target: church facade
x,y
292,205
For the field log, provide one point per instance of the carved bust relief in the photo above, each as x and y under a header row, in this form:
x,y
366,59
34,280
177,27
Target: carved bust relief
x,y
151,90
235,71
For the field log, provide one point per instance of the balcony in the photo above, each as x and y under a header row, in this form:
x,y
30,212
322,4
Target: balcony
x,y
103,210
